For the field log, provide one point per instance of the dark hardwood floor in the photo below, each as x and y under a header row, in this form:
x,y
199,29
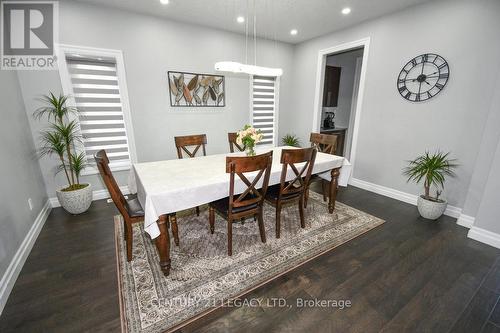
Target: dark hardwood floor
x,y
409,275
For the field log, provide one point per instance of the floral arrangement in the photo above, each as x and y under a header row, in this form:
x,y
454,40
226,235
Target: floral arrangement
x,y
249,137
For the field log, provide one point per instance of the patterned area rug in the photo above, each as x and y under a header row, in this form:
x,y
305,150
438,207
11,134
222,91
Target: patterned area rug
x,y
203,276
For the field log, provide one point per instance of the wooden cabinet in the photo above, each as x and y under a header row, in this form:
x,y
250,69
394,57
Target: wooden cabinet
x,y
331,88
340,133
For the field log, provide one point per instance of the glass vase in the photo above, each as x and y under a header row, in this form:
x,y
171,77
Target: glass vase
x,y
250,150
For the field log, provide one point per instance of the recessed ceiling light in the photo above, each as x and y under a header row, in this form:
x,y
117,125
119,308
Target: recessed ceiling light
x,y
293,32
346,10
164,2
240,19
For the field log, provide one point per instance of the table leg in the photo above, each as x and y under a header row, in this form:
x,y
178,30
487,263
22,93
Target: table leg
x,y
175,229
334,184
163,245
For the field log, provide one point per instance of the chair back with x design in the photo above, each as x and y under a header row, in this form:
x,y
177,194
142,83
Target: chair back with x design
x,y
231,137
183,142
238,166
289,158
324,143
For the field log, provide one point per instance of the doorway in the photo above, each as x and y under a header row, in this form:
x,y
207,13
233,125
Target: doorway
x,y
339,93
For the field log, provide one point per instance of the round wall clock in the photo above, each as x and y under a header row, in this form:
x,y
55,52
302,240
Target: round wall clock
x,y
423,77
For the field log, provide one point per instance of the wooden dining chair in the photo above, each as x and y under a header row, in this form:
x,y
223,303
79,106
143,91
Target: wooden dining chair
x,y
131,210
250,201
292,191
324,143
182,143
231,137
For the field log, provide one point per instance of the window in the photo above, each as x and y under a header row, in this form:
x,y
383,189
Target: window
x,y
95,81
264,107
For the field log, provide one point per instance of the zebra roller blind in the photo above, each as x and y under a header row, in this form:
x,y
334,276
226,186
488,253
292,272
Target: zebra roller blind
x,y
264,109
96,91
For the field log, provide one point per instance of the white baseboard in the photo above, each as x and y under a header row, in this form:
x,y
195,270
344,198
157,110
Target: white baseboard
x,y
398,195
17,262
484,236
96,195
465,220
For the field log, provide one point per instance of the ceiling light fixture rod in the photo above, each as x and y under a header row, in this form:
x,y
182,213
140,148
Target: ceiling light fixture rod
x,y
246,35
236,67
254,35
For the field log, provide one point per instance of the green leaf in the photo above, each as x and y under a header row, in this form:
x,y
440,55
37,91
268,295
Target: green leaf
x,y
79,162
434,168
290,140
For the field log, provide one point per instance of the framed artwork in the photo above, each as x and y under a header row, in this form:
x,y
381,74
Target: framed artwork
x,y
196,89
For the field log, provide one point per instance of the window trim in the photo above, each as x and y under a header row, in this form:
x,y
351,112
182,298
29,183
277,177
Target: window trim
x,y
62,50
276,109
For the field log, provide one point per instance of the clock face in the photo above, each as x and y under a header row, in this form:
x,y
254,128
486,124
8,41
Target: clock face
x,y
423,77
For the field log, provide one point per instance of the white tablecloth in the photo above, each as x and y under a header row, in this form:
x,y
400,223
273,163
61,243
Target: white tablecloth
x,y
170,186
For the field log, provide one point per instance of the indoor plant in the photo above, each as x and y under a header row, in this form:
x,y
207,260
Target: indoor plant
x,y
249,137
433,170
290,140
60,139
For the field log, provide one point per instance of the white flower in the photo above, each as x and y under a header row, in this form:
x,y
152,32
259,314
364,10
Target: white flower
x,y
250,133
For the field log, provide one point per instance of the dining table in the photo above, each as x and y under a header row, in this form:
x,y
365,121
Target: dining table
x,y
169,186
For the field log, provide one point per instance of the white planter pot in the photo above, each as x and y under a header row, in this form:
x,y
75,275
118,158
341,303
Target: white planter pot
x,y
75,202
429,209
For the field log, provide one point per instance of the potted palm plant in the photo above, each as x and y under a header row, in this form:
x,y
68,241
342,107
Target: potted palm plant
x,y
433,170
60,140
290,140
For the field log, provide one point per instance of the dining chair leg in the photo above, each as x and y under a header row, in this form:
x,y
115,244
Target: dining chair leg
x,y
325,184
306,196
197,211
301,212
278,220
125,233
229,237
211,219
262,230
129,241
175,229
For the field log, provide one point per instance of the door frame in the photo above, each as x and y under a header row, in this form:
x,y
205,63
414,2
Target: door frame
x,y
355,93
320,78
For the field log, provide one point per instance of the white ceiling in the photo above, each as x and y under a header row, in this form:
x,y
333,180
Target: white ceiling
x,y
312,18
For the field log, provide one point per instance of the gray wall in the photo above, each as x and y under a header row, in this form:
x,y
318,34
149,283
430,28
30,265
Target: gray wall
x,y
488,215
21,177
486,155
393,130
151,47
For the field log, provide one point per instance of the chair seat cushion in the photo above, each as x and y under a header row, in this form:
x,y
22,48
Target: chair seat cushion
x,y
273,192
222,205
134,208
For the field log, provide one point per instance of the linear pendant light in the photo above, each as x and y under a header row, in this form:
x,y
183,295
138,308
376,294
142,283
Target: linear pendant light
x,y
236,67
